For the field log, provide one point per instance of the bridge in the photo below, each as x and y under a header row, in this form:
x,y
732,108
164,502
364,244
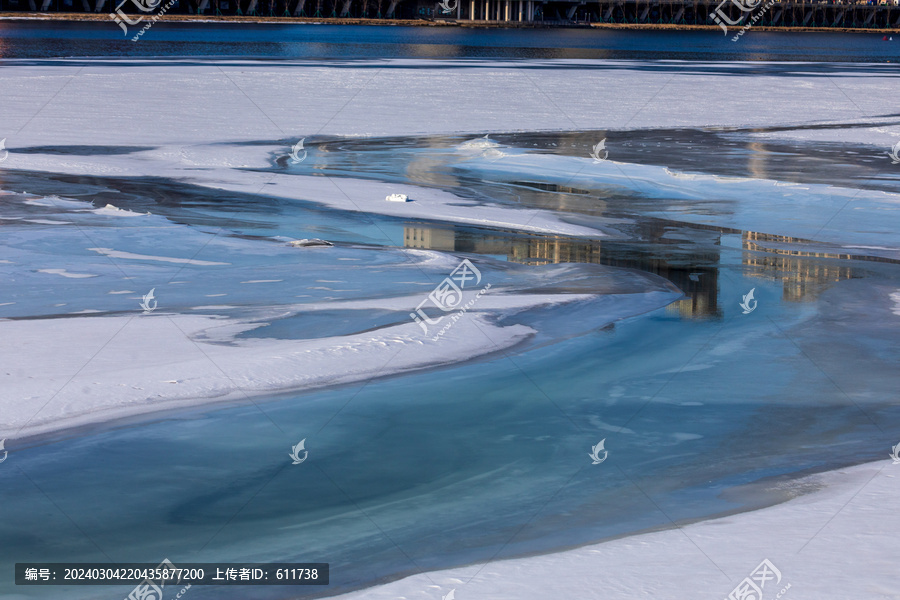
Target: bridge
x,y
730,14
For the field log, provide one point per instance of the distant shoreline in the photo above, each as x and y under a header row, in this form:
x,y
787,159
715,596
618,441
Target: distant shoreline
x,y
29,16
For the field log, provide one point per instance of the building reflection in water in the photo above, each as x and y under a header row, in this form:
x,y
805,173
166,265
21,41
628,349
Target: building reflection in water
x,y
804,274
694,273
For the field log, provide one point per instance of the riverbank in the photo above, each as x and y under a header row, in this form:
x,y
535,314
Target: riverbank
x,y
30,16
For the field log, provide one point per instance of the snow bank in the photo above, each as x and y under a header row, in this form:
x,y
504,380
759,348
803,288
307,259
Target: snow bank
x,y
65,372
259,100
212,169
368,196
831,544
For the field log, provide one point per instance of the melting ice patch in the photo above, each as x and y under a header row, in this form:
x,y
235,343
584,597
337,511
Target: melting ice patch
x,y
65,273
686,437
483,147
46,222
896,298
132,256
478,144
53,202
114,211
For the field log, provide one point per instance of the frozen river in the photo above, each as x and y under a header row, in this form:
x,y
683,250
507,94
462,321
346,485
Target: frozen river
x,y
618,310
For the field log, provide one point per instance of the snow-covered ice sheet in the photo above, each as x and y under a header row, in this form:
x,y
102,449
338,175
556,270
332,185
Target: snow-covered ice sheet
x,y
100,368
847,217
349,194
709,559
274,99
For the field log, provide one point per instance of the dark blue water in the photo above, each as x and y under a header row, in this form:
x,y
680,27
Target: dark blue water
x,y
30,39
